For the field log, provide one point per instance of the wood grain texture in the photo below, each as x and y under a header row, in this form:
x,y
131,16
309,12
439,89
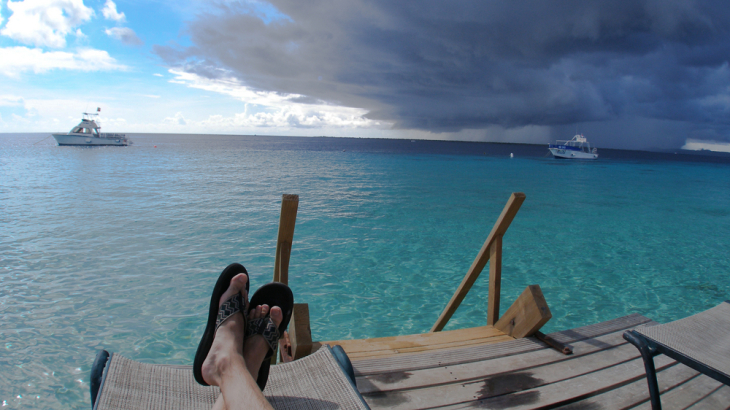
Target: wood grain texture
x,y
526,315
483,352
467,372
300,333
394,345
569,390
495,280
285,237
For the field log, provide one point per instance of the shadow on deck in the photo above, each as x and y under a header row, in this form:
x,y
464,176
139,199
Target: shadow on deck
x,y
604,372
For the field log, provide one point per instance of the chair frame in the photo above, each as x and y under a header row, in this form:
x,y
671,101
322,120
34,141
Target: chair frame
x,y
650,348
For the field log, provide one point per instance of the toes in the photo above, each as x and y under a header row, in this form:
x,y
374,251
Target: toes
x,y
255,312
277,315
258,312
238,284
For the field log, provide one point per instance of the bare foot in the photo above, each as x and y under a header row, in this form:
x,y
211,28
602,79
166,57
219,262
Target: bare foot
x,y
255,348
228,343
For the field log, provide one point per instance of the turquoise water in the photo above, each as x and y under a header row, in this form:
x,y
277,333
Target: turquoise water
x,y
118,248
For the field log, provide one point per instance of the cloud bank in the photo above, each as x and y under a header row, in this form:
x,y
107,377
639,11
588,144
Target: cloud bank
x,y
16,60
643,73
45,23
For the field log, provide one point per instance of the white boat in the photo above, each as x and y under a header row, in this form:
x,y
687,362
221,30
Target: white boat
x,y
87,133
577,148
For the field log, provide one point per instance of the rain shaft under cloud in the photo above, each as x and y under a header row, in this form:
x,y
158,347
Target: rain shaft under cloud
x,y
636,74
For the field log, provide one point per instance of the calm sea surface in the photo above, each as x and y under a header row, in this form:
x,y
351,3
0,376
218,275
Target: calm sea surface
x,y
118,248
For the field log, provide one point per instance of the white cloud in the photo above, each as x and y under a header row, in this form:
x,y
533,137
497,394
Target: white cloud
x,y
45,23
110,12
16,60
701,145
10,100
158,75
178,119
60,114
275,109
124,34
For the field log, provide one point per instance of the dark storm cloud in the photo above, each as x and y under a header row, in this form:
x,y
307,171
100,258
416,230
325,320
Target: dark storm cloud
x,y
446,66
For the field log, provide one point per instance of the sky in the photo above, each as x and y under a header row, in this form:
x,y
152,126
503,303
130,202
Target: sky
x,y
638,74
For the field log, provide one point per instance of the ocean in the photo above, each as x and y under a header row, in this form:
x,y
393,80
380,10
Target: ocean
x,y
118,248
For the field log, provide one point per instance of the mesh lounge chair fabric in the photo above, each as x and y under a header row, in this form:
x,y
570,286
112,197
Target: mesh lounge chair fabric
x,y
701,341
314,382
704,337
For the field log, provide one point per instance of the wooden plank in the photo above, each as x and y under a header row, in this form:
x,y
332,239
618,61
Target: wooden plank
x,y
637,392
468,354
601,328
287,220
568,390
428,348
719,399
526,315
501,384
495,280
300,333
423,339
686,394
499,229
466,372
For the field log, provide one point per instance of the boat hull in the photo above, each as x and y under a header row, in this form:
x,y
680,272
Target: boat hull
x,y
571,154
66,139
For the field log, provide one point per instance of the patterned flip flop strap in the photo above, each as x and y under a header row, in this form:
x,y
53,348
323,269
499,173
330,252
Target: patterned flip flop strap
x,y
229,308
265,327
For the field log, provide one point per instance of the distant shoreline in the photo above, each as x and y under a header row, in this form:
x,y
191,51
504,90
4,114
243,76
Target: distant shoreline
x,y
692,153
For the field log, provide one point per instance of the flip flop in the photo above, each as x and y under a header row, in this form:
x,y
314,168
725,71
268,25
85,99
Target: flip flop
x,y
217,316
272,294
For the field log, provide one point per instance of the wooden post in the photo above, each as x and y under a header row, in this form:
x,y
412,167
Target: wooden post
x,y
500,227
287,220
285,237
526,315
495,280
300,334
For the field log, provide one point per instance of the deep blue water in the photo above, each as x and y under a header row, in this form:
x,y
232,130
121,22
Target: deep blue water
x,y
118,248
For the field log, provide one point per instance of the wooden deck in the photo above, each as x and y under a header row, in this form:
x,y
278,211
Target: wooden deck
x,y
398,345
496,366
604,372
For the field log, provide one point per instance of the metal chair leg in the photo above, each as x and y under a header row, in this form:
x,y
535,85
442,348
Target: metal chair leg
x,y
648,355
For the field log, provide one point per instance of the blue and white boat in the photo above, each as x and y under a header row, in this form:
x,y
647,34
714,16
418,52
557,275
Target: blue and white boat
x,y
577,148
87,133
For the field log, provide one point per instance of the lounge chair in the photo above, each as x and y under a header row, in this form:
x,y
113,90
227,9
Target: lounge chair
x,y
323,380
701,341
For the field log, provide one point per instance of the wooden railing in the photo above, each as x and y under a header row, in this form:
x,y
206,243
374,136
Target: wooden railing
x,y
525,317
287,220
285,237
491,252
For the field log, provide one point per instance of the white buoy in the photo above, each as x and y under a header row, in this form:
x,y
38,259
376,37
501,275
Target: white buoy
x,y
511,155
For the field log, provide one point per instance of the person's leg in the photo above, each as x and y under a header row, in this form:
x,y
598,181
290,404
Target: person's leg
x,y
225,366
255,347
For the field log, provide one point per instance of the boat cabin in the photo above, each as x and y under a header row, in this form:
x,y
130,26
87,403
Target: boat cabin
x,y
86,127
578,143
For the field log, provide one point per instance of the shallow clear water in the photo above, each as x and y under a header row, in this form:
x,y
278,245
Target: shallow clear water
x,y
118,248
